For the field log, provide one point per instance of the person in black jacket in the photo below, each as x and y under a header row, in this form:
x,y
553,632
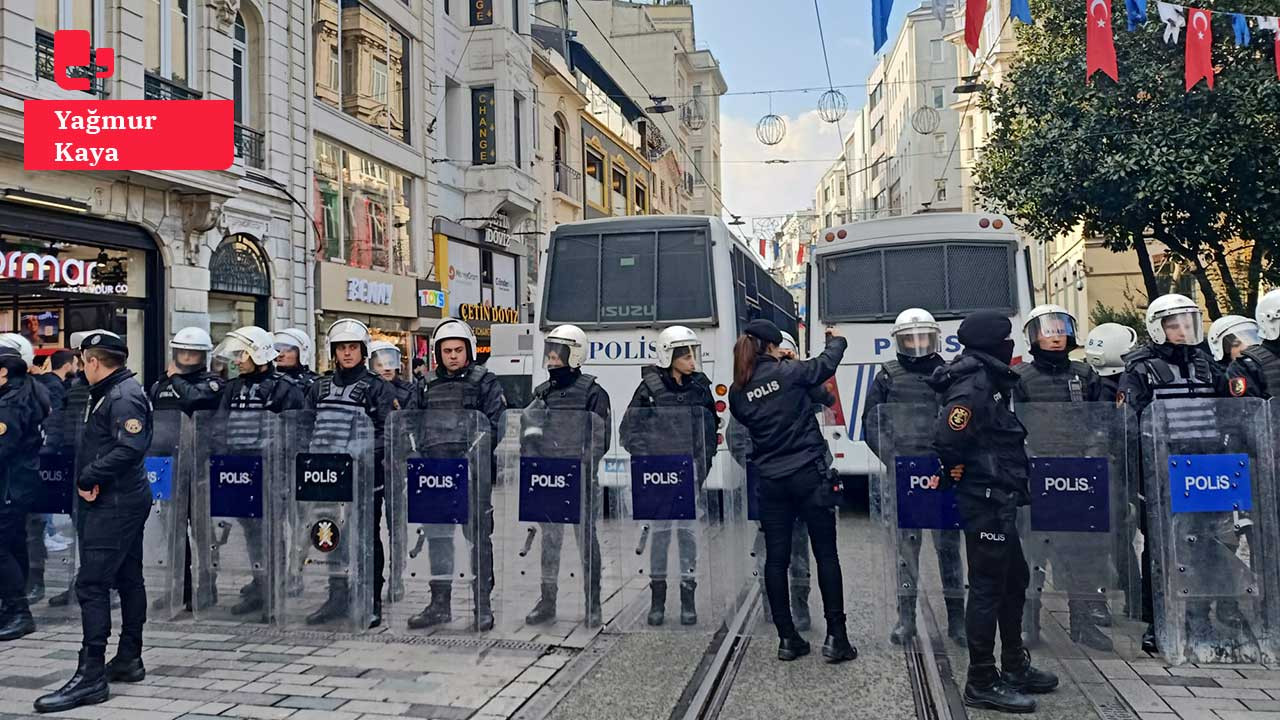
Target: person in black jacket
x,y
771,399
385,362
980,444
77,402
1255,370
294,359
652,425
115,500
24,405
188,385
55,381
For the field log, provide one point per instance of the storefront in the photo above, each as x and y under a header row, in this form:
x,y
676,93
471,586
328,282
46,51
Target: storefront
x,y
386,302
62,271
480,270
431,304
239,286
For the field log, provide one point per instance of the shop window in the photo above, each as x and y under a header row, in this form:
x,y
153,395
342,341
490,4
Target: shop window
x,y
367,58
618,198
365,210
595,178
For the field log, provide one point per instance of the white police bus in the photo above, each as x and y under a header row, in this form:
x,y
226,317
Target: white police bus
x,y
863,274
622,280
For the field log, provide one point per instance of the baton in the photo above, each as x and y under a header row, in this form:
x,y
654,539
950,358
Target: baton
x,y
644,538
528,541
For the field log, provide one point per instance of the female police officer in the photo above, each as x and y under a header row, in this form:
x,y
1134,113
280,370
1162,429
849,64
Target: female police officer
x,y
771,399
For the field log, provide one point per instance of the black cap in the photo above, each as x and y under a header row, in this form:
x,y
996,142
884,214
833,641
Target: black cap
x,y
105,341
984,329
765,330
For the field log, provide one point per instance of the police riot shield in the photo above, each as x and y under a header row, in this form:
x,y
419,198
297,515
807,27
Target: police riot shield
x,y
548,506
674,560
926,590
231,456
1209,475
53,566
1079,532
165,548
440,506
329,470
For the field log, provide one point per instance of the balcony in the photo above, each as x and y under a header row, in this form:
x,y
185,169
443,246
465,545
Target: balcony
x,y
158,88
250,146
568,182
44,65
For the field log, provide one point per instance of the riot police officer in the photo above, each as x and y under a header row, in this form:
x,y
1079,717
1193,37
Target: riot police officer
x,y
352,388
1175,369
294,358
257,388
674,382
568,388
188,385
460,383
77,402
1105,349
917,339
1228,337
1256,371
772,400
24,405
57,443
980,443
115,500
385,362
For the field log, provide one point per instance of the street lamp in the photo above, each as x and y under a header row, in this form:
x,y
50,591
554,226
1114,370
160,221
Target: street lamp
x,y
969,85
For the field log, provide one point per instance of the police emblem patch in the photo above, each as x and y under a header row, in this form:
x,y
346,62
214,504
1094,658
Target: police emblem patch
x,y
958,418
1238,386
324,535
3,428
133,425
213,385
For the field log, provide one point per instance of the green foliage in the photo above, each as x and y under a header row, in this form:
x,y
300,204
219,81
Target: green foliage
x,y
1127,315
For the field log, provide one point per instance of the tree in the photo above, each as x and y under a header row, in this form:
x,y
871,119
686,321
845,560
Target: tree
x,y
1143,159
1126,315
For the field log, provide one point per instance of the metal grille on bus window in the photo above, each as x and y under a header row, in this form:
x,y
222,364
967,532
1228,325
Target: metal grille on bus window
x,y
575,265
853,285
979,277
627,271
915,277
684,289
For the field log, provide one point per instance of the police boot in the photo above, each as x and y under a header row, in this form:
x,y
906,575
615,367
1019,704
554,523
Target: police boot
x,y
545,610
955,621
88,686
793,647
126,666
836,648
251,599
997,695
17,620
1149,644
35,587
657,602
688,592
440,610
800,608
1024,677
63,598
906,627
334,607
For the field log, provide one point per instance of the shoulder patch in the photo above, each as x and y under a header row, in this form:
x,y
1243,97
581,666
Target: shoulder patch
x,y
133,426
3,428
213,385
958,417
1238,386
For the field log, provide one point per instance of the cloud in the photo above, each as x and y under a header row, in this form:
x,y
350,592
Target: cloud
x,y
756,189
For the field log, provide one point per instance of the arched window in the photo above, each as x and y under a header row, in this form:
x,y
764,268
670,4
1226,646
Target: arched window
x,y
240,67
560,143
246,81
239,286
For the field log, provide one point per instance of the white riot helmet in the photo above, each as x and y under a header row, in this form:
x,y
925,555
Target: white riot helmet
x,y
191,340
384,356
1268,316
453,329
1229,331
293,338
257,343
349,330
1049,321
569,343
21,344
1106,347
675,338
916,334
789,343
1177,314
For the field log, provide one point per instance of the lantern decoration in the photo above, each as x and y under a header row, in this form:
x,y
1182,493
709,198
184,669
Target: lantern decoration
x,y
925,120
772,128
832,106
693,115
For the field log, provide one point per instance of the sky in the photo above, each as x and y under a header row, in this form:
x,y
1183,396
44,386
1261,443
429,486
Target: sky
x,y
773,44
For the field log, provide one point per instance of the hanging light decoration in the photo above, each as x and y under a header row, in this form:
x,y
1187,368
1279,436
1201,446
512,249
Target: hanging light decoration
x,y
832,106
693,116
772,128
925,120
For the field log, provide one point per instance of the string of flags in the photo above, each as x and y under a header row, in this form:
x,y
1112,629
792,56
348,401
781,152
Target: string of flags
x,y
1100,37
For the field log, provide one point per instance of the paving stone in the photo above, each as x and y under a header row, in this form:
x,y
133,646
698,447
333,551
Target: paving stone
x,y
439,712
1204,672
213,708
289,678
543,674
366,706
1260,683
1247,715
324,715
311,703
281,658
260,712
1168,691
1234,693
1188,707
1157,716
503,706
1139,696
336,671
1112,669
348,682
244,675
1183,680
1269,705
303,690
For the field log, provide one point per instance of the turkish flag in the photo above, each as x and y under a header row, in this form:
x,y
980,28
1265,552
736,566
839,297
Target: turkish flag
x,y
762,247
975,11
800,254
1199,47
1101,46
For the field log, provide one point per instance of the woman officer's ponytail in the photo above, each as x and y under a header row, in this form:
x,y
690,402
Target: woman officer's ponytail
x,y
745,351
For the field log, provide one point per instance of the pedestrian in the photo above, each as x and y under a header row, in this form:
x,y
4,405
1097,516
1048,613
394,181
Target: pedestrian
x,y
294,359
42,537
77,403
1229,336
461,384
115,500
351,388
385,362
569,389
674,383
772,400
24,405
1255,371
917,339
420,370
979,442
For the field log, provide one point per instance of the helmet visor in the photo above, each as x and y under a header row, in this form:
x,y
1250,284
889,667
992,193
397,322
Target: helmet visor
x,y
1051,326
1183,328
918,342
1239,339
190,360
685,358
556,355
385,359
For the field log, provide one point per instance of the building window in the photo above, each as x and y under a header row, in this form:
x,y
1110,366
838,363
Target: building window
x,y
55,15
940,190
167,39
697,164
876,96
446,8
940,144
250,143
877,131
518,110
239,71
595,178
642,198
842,187
826,194
939,96
618,198
515,16
379,67
368,62
935,51
365,210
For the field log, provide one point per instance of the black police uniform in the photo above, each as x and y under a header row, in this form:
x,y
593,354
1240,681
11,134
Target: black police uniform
x,y
471,388
405,393
659,389
24,405
573,389
55,446
304,376
905,381
334,398
1256,373
77,402
245,400
977,433
776,408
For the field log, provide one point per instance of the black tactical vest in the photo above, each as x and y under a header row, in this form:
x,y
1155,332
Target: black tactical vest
x,y
572,397
1269,363
908,387
1042,386
458,393
1188,415
246,408
661,395
334,409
